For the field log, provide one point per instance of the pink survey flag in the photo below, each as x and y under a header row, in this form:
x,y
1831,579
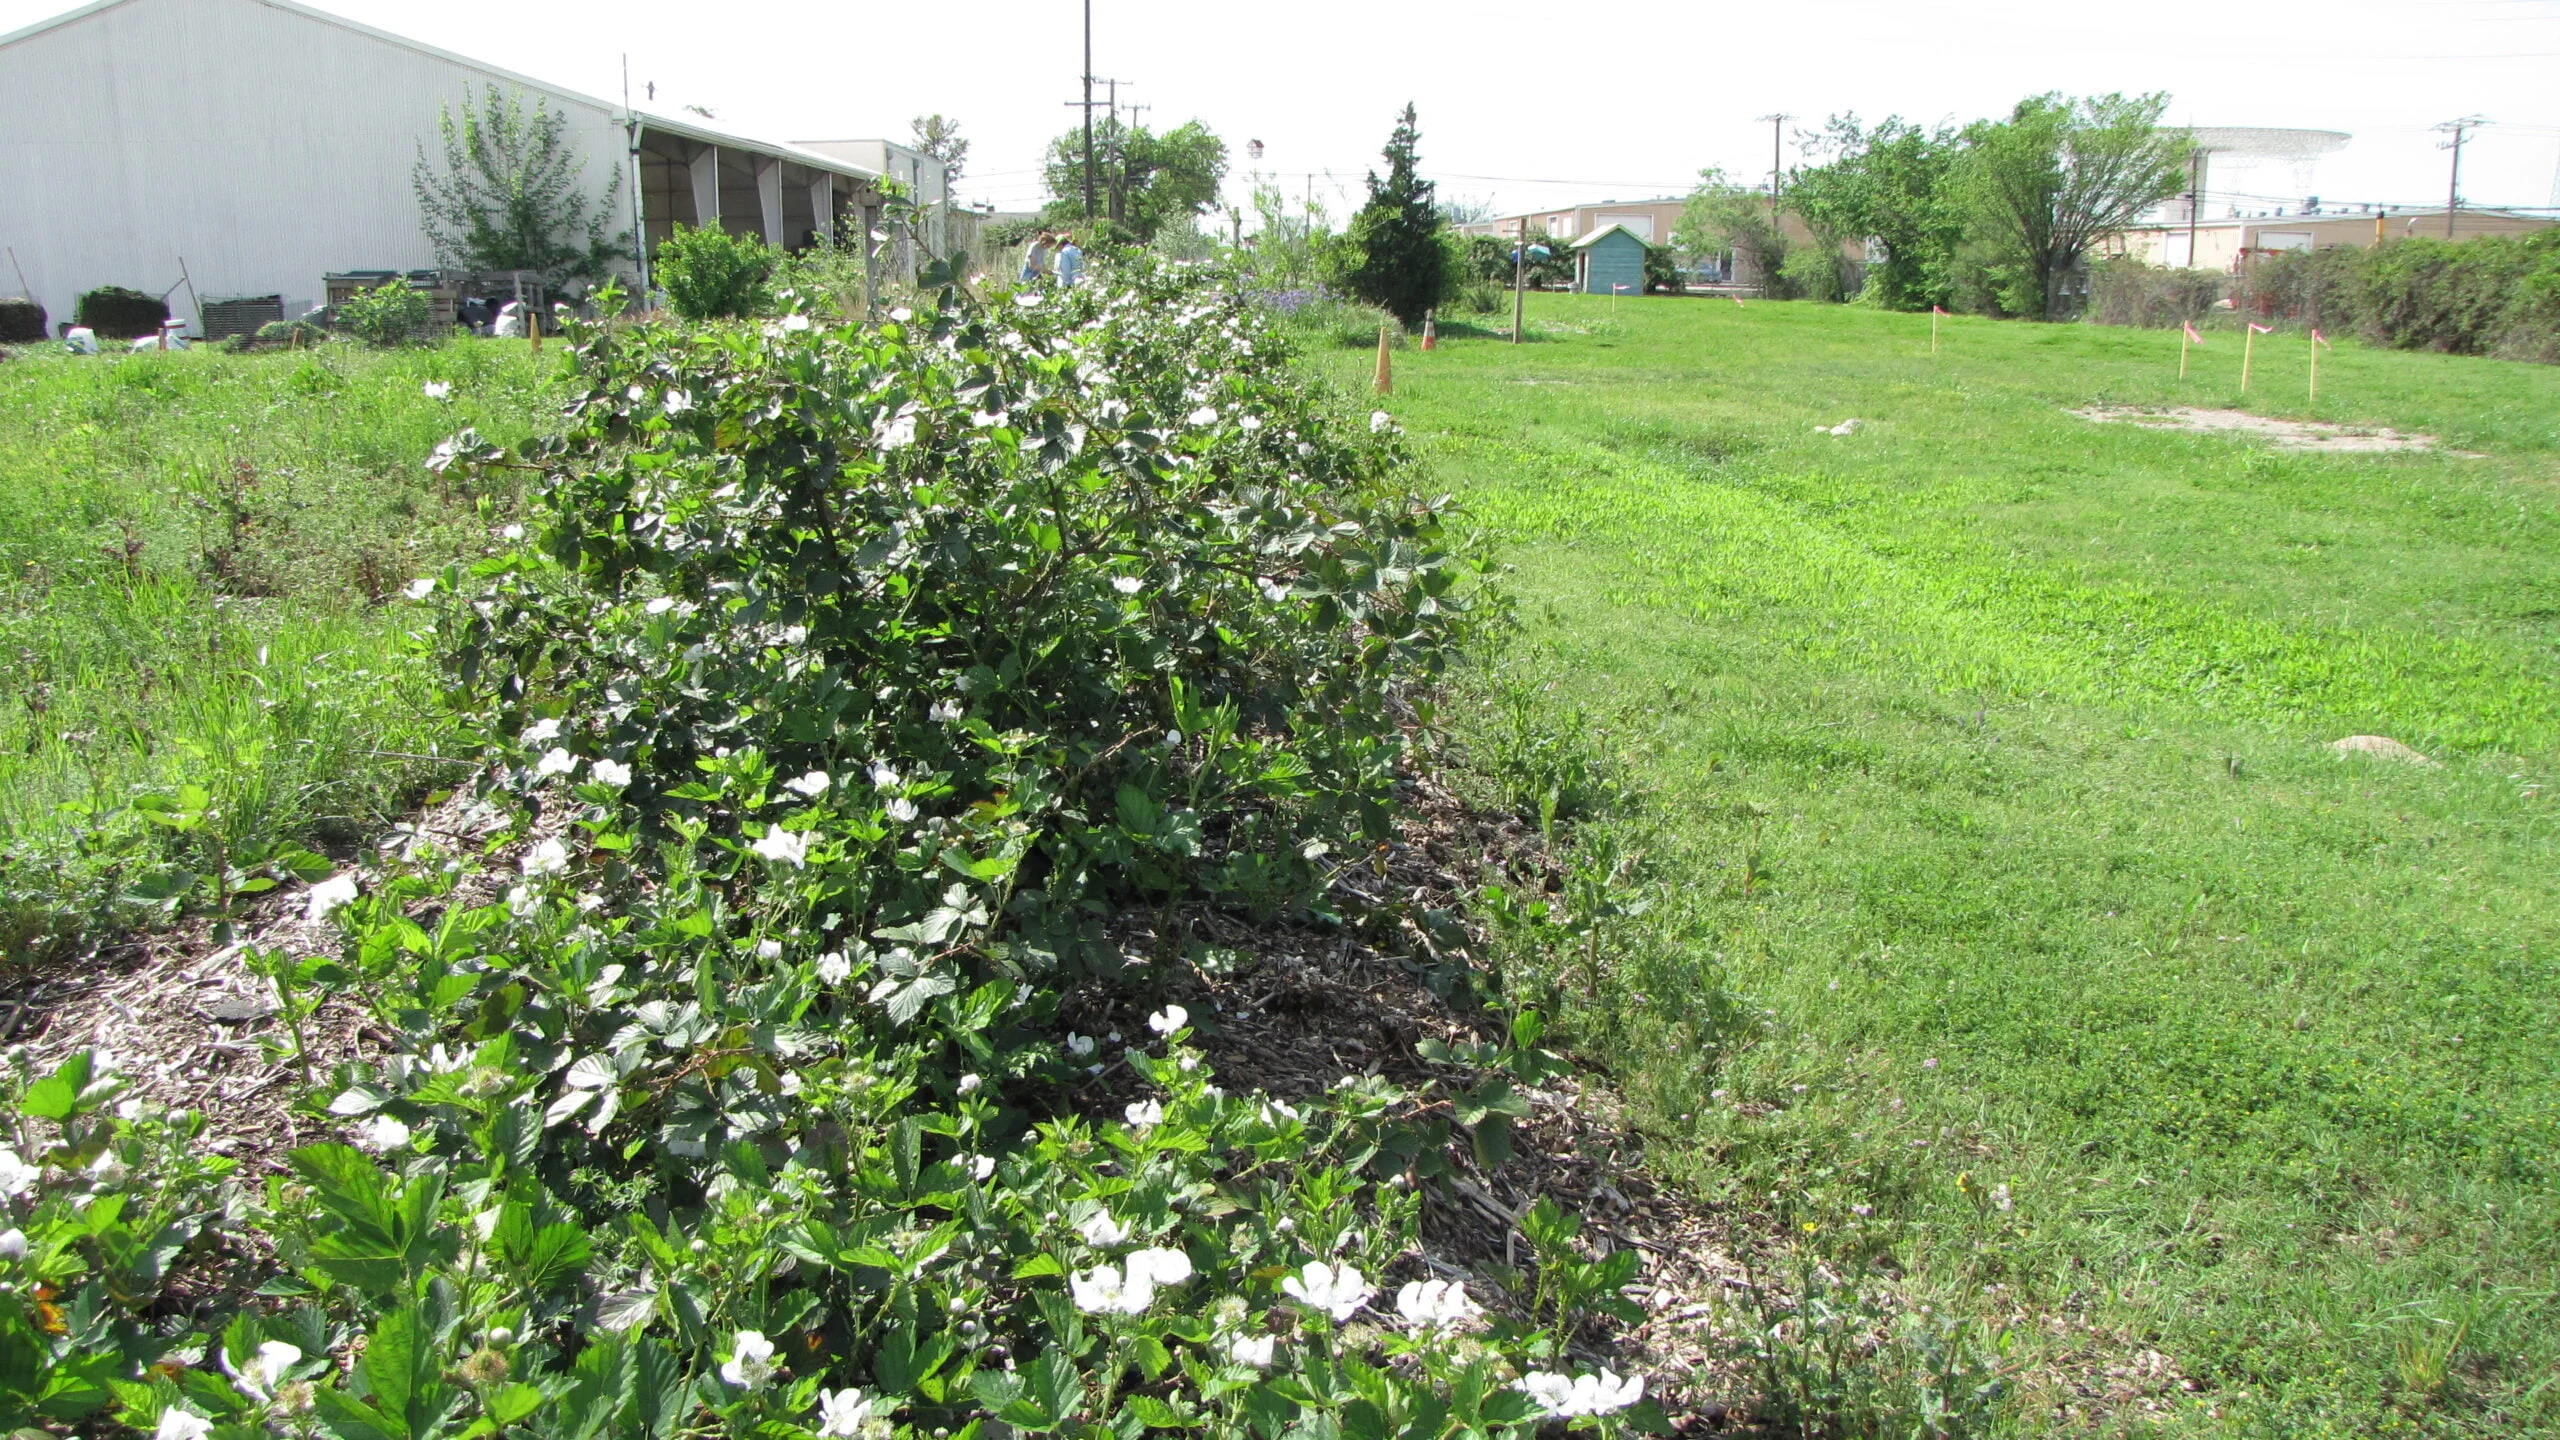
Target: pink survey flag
x,y
1936,310
1736,299
2192,337
2321,340
2259,329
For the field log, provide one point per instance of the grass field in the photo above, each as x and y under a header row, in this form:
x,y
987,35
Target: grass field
x,y
198,585
1991,838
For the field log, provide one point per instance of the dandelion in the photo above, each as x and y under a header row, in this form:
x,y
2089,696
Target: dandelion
x,y
1103,1291
1565,1396
325,897
783,847
548,858
811,785
833,968
1168,1019
382,1133
1337,1290
1159,1266
555,761
177,1424
750,1361
611,772
541,732
1102,1228
1079,1046
1253,1350
841,1413
420,588
903,811
1144,1113
1436,1305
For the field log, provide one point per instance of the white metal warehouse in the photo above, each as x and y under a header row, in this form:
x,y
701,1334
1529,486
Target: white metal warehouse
x,y
266,144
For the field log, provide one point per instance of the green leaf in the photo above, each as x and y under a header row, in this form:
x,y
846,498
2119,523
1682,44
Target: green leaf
x,y
1037,1266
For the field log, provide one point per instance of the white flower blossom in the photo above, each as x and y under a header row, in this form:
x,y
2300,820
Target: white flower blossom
x,y
899,433
1379,421
1144,1113
382,1133
611,772
1336,1290
969,1084
1275,1113
794,324
812,785
1565,1396
1079,1046
2000,1198
1205,415
1159,1266
1102,1228
1248,422
266,1369
177,1424
421,588
903,811
834,968
109,1169
661,605
1127,584
555,761
768,949
325,897
783,847
541,732
13,1244
750,1362
548,858
944,712
1436,1305
884,776
981,1166
1168,1019
437,390
513,532
1253,1350
1102,1291
677,402
841,1413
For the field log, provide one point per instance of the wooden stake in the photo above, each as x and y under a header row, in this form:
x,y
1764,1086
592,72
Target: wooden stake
x,y
1386,374
1933,329
2248,348
2182,352
533,328
2315,367
1519,279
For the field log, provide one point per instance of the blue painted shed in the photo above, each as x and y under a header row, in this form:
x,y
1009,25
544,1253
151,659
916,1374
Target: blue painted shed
x,y
1612,255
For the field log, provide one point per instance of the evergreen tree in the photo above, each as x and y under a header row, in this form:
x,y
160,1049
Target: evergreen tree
x,y
1396,255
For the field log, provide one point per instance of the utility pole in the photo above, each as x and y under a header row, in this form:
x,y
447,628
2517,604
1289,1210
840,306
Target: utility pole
x,y
2453,188
1088,112
1777,156
2195,201
1519,279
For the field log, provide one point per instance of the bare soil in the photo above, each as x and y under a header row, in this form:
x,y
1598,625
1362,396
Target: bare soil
x,y
2283,434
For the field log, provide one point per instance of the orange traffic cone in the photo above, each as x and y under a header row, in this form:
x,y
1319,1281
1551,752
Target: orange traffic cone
x,y
1430,331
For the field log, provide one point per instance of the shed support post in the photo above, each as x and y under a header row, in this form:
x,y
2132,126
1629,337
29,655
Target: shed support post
x,y
769,199
706,188
822,203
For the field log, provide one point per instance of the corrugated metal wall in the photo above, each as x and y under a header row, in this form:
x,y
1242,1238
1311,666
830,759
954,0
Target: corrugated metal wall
x,y
266,146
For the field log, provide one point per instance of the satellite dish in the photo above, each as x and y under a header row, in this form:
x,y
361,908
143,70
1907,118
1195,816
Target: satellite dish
x,y
2240,151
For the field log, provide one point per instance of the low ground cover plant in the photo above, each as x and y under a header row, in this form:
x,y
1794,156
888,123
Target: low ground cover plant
x,y
396,313
845,688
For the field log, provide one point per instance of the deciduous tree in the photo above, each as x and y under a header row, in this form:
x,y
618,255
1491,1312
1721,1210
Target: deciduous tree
x,y
511,194
2039,188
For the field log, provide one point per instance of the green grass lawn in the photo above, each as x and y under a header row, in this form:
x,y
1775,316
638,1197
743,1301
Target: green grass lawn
x,y
200,584
1992,838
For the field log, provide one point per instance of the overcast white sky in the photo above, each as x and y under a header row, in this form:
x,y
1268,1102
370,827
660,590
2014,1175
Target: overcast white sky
x,y
1533,105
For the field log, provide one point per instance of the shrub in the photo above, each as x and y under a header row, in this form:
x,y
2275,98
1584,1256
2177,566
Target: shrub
x,y
21,322
2128,292
114,311
1662,272
396,313
710,274
1398,253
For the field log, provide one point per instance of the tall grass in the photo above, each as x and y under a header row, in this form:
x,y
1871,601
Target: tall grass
x,y
200,584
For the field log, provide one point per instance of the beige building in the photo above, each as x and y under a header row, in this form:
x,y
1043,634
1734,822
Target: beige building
x,y
2224,244
1651,221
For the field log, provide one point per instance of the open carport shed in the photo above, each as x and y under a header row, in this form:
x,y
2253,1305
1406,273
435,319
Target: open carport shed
x,y
268,144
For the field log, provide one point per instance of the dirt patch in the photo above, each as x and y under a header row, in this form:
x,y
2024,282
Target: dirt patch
x,y
2382,747
2283,434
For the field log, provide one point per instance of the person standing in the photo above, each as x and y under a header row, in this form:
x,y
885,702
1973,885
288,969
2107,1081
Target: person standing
x,y
1035,261
1070,262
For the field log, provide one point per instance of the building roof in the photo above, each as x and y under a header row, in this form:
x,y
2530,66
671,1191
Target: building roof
x,y
1596,236
659,123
